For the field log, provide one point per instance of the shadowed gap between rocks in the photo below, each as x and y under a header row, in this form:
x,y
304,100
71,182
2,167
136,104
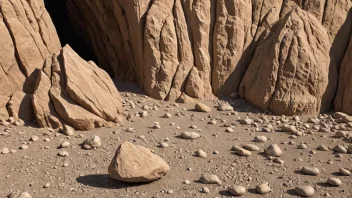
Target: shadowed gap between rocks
x,y
67,35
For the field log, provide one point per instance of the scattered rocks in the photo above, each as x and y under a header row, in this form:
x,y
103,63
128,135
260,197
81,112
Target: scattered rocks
x,y
23,147
237,190
246,121
167,115
68,130
344,172
210,179
65,144
340,149
205,190
243,152
20,195
5,151
322,148
229,130
334,181
225,107
202,107
92,142
251,147
263,188
310,170
189,135
148,166
201,153
260,138
163,145
34,138
143,114
63,153
47,185
273,150
305,191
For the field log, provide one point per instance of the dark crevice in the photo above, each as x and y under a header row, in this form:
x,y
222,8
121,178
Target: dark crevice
x,y
67,35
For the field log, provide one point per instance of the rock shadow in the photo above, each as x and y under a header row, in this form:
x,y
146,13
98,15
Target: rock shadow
x,y
104,181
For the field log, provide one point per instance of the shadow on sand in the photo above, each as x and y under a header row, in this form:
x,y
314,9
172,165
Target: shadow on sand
x,y
104,181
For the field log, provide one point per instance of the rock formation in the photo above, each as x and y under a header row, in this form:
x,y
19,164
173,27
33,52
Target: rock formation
x,y
289,72
199,48
76,92
288,56
28,36
134,163
40,81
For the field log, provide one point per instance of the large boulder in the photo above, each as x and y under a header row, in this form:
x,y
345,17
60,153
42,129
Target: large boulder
x,y
71,90
291,71
134,163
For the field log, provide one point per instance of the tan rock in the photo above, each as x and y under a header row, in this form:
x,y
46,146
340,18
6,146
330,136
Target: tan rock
x,y
202,107
3,109
20,106
134,163
281,86
91,87
43,107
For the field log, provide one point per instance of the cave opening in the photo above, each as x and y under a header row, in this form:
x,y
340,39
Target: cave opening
x,y
67,35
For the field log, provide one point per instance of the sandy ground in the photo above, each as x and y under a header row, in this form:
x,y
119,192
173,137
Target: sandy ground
x,y
86,174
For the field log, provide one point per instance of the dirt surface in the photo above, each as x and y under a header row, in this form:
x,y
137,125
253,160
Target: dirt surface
x,y
86,172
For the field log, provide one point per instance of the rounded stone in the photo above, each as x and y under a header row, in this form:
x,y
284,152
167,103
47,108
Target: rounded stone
x,y
210,179
260,138
189,135
344,171
5,151
163,145
201,153
65,144
340,149
237,190
263,188
205,190
334,181
251,147
305,191
310,170
34,138
273,150
243,152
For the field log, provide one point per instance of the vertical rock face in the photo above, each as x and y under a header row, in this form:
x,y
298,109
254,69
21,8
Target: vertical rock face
x,y
196,48
35,83
28,36
160,49
291,71
343,99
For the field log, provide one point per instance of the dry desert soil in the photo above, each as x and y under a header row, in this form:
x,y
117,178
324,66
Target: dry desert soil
x,y
41,172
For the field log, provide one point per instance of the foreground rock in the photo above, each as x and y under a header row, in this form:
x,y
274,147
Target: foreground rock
x,y
134,163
